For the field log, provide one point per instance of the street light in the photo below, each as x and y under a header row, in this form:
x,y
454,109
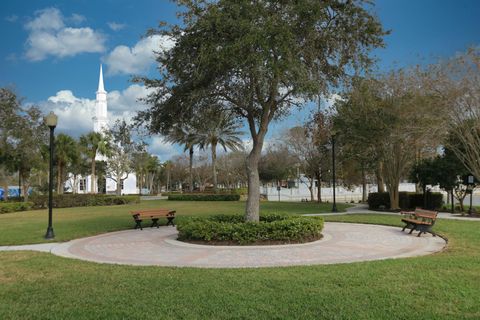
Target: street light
x,y
470,186
334,208
51,122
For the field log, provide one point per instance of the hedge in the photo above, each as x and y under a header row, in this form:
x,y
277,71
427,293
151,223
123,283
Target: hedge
x,y
6,207
204,197
231,229
81,200
407,200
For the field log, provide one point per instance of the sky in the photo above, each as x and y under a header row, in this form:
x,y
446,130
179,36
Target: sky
x,y
51,51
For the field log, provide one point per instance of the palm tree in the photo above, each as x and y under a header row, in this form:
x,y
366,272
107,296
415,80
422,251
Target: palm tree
x,y
65,153
93,143
187,136
219,128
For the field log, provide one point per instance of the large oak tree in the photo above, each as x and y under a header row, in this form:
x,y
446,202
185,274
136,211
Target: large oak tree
x,y
259,59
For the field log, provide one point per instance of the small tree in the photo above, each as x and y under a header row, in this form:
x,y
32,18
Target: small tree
x,y
94,144
66,153
219,128
121,154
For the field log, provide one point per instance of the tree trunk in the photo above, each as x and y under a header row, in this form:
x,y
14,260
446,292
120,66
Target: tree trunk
x,y
394,197
59,178
252,210
74,183
364,186
214,167
190,178
119,187
453,203
26,184
5,190
424,190
92,182
168,180
118,182
379,175
310,187
319,188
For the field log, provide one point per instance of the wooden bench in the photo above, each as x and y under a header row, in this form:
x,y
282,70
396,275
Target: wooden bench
x,y
154,215
420,220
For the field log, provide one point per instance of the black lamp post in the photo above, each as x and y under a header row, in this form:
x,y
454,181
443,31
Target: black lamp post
x,y
334,208
470,186
51,122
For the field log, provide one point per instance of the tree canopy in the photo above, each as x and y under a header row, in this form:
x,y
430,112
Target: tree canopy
x,y
258,59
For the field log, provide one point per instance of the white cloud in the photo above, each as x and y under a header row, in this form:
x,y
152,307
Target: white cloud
x,y
50,37
11,18
127,100
163,150
116,26
75,113
139,58
77,18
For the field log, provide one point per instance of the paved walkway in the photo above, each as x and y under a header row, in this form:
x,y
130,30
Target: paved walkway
x,y
363,208
342,243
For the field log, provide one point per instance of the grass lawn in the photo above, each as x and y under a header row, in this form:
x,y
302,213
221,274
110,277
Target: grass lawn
x,y
440,286
71,223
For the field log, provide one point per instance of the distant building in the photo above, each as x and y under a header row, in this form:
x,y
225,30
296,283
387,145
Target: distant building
x,y
100,124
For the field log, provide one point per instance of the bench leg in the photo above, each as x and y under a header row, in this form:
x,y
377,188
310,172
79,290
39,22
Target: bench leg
x,y
170,221
155,223
411,230
138,224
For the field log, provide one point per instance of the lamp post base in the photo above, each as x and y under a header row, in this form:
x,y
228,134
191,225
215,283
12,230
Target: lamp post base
x,y
334,208
49,234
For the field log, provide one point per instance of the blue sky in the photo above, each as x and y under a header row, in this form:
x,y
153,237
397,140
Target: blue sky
x,y
51,50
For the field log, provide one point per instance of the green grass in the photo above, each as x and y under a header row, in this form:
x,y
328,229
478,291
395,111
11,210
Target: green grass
x,y
71,223
439,286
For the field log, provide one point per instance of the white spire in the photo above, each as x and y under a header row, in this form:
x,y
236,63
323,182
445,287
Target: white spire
x,y
100,81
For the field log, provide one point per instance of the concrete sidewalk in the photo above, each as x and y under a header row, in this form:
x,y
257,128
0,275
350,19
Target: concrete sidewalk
x,y
363,209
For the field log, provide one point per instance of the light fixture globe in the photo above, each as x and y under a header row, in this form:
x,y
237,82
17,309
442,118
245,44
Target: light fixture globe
x,y
51,120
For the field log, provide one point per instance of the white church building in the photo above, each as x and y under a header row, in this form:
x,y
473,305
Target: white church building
x,y
100,124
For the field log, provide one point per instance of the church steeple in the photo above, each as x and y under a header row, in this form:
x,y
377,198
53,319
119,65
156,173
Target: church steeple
x,y
100,81
100,120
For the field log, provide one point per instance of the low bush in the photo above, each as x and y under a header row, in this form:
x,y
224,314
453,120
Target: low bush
x,y
407,200
81,200
204,197
7,207
230,229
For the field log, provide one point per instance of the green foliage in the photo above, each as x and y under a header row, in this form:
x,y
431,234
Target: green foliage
x,y
273,227
81,200
7,207
407,200
277,164
204,197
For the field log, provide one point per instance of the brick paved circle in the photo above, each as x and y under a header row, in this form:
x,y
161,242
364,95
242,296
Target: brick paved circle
x,y
342,243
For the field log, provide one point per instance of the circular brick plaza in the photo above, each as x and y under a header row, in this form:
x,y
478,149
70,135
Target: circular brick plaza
x,y
341,243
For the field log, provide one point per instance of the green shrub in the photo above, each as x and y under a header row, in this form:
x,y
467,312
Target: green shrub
x,y
15,199
407,200
7,207
204,197
81,200
166,194
232,229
